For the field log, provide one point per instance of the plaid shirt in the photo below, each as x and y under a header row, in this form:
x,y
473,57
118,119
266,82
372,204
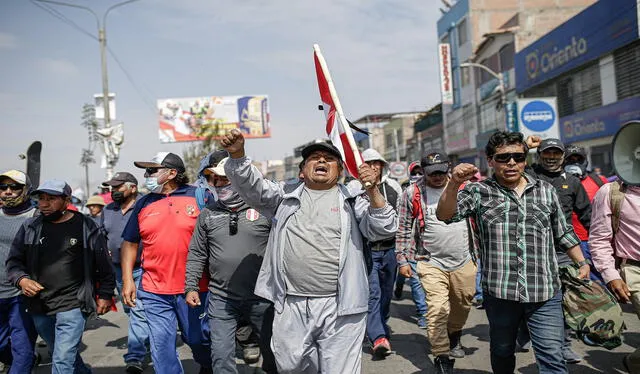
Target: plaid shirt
x,y
518,236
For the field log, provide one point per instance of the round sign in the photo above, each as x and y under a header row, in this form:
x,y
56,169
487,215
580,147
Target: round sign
x,y
397,169
538,116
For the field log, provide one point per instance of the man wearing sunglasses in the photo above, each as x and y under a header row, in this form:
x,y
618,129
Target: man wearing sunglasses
x,y
17,332
314,270
520,223
444,264
230,237
163,221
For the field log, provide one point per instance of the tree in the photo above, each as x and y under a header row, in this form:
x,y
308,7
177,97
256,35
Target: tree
x,y
197,150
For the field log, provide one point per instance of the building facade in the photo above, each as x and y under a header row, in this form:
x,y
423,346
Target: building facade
x,y
593,71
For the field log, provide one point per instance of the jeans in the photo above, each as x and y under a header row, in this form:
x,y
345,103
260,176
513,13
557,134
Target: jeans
x,y
16,324
164,313
138,336
63,333
224,315
594,274
546,326
381,281
478,295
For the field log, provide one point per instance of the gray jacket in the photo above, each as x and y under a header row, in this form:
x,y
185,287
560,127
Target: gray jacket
x,y
271,199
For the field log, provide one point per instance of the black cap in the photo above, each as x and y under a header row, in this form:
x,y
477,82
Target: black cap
x,y
120,178
435,162
550,143
572,150
216,156
163,160
321,146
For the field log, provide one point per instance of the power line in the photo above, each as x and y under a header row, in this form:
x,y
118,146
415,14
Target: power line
x,y
132,82
63,18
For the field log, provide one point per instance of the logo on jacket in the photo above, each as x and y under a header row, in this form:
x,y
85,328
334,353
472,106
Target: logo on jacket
x,y
191,210
252,215
73,241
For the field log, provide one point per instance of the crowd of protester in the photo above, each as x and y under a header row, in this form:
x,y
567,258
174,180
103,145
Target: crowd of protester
x,y
301,273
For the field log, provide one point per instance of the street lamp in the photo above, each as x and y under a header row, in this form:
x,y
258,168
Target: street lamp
x,y
499,77
102,38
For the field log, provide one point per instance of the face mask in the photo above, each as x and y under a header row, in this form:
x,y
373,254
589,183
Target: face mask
x,y
53,216
118,196
228,196
152,184
12,202
574,169
415,178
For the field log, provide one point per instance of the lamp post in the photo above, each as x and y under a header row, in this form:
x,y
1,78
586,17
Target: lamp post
x,y
499,77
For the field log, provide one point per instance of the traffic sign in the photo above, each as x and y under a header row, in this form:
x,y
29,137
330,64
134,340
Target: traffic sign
x,y
539,116
398,169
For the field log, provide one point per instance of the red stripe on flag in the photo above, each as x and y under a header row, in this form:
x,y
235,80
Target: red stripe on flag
x,y
325,95
350,160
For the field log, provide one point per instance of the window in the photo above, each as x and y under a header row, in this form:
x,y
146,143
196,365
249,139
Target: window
x,y
627,61
462,32
579,91
506,54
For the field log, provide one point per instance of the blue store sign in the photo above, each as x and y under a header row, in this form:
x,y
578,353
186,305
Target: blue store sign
x,y
599,122
603,27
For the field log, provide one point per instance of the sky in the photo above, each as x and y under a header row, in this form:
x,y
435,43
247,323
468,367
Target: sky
x,y
381,54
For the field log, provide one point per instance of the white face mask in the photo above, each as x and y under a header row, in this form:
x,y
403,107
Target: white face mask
x,y
153,185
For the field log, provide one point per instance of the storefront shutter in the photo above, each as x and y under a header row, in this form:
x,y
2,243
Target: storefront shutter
x,y
627,66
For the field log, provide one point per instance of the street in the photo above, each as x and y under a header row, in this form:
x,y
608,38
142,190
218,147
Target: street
x,y
104,339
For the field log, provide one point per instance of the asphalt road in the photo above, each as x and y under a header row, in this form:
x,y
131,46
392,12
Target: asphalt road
x,y
105,339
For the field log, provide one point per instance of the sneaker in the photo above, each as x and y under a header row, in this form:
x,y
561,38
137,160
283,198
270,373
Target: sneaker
x,y
422,322
477,302
251,354
381,347
456,350
397,293
570,357
443,364
134,367
526,347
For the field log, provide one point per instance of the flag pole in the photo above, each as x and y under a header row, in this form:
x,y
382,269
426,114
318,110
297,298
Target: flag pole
x,y
336,102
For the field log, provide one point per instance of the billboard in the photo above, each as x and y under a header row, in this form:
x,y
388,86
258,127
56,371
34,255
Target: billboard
x,y
446,81
538,116
196,118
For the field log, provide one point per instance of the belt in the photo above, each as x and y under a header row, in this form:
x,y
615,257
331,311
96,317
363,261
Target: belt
x,y
628,261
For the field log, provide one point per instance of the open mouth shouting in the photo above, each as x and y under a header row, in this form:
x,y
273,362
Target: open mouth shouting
x,y
321,170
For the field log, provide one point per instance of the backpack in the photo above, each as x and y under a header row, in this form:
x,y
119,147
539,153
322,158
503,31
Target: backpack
x,y
591,310
616,196
596,179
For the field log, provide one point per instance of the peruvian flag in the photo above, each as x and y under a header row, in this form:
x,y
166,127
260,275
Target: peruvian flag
x,y
337,126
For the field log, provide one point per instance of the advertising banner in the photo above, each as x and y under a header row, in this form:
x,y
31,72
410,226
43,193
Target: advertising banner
x,y
197,118
599,122
539,116
446,80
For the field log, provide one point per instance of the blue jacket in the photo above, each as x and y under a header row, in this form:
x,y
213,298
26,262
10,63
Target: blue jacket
x,y
279,202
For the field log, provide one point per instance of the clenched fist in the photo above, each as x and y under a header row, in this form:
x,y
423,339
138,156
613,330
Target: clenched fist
x,y
233,142
533,141
462,173
367,176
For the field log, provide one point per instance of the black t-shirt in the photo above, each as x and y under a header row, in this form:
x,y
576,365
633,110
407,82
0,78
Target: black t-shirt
x,y
60,267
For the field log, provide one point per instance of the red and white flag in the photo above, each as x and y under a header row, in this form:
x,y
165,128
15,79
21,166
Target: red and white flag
x,y
337,126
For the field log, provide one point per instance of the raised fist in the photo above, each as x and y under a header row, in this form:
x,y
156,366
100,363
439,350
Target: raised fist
x,y
463,172
233,142
367,176
533,141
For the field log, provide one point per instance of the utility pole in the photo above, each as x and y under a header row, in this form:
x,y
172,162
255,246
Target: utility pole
x,y
88,121
102,39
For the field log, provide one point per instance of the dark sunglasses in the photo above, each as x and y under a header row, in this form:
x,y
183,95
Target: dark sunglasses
x,y
503,158
13,187
151,171
233,223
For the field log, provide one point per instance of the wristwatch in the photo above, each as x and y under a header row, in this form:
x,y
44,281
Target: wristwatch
x,y
583,263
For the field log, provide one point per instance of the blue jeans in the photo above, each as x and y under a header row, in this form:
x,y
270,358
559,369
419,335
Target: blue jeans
x,y
478,294
138,336
546,326
16,323
224,315
381,280
63,333
164,313
417,292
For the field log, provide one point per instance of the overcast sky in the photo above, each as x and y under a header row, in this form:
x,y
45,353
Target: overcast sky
x,y
381,55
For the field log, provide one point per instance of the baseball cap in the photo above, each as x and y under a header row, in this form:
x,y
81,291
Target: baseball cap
x,y
17,176
120,178
435,162
321,146
219,169
95,200
216,156
54,187
371,154
551,143
163,160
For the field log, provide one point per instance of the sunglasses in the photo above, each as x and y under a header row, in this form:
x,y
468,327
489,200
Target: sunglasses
x,y
503,158
13,187
233,223
151,171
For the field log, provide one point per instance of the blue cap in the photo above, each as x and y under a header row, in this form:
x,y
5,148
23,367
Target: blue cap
x,y
54,187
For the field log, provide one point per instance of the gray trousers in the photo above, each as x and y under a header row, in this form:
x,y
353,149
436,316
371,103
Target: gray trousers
x,y
310,337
